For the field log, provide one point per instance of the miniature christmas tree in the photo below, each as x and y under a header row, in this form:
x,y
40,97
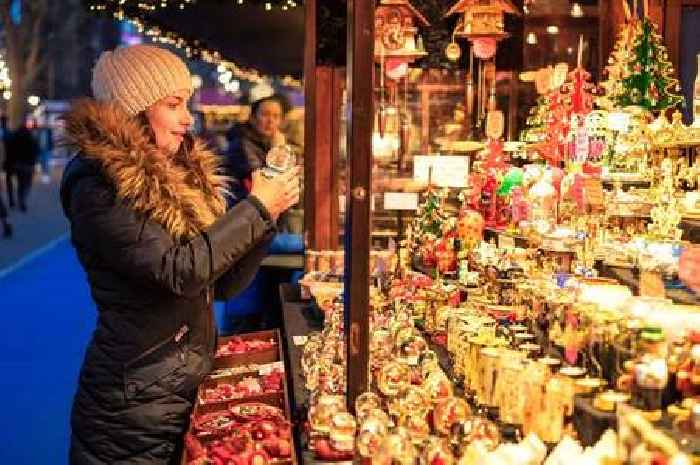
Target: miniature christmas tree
x,y
640,73
430,217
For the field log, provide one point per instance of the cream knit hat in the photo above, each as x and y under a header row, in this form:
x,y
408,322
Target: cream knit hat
x,y
138,76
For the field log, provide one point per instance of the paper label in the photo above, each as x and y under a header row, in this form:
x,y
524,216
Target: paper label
x,y
299,340
594,193
270,367
400,201
506,242
443,171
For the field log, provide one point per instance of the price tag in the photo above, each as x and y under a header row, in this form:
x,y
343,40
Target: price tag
x,y
411,360
400,201
270,367
299,340
443,171
594,193
506,241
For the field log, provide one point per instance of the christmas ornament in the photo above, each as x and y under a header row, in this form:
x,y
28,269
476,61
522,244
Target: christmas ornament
x,y
452,51
639,72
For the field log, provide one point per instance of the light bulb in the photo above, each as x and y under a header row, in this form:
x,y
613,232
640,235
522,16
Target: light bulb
x,y
576,10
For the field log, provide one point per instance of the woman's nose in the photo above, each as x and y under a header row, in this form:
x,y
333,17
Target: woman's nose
x,y
187,119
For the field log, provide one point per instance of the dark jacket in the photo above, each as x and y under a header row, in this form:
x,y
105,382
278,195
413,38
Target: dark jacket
x,y
247,150
23,148
157,244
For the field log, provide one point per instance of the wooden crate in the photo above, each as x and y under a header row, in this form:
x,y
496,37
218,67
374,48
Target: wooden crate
x,y
277,399
261,356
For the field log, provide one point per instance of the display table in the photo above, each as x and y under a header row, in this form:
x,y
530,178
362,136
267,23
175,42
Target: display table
x,y
630,277
298,320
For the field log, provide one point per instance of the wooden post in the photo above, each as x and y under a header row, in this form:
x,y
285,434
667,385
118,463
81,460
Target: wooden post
x,y
672,32
360,69
310,151
323,94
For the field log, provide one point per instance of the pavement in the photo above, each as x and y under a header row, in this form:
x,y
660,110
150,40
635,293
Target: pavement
x,y
42,225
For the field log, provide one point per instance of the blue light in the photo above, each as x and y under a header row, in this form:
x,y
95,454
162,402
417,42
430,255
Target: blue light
x,y
16,11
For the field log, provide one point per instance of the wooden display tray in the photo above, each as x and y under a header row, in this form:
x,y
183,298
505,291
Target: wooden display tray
x,y
278,399
271,398
273,354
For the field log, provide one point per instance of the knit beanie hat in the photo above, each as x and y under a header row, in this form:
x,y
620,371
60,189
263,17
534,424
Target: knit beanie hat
x,y
138,76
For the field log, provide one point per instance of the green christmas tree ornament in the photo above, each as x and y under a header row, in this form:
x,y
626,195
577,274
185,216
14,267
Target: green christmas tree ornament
x,y
512,179
639,73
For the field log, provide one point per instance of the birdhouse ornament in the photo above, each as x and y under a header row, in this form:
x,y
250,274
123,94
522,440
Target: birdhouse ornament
x,y
396,38
482,18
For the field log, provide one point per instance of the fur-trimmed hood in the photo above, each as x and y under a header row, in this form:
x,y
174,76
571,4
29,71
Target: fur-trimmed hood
x,y
184,193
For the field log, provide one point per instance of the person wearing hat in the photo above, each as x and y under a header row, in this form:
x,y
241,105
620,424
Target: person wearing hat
x,y
147,211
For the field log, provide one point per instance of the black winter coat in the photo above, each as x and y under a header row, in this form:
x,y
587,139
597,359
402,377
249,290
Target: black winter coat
x,y
157,245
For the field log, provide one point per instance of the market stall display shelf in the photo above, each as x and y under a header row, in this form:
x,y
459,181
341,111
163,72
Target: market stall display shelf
x,y
266,361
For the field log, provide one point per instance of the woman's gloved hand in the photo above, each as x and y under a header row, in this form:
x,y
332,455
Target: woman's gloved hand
x,y
278,193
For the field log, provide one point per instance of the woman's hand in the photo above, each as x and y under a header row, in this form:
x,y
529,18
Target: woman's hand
x,y
276,194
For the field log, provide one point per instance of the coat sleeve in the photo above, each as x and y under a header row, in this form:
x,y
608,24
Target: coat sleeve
x,y
242,273
142,249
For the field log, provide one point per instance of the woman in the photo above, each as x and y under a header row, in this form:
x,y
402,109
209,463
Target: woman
x,y
249,142
150,226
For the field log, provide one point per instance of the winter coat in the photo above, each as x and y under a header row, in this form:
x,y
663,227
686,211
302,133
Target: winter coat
x,y
246,153
157,244
22,148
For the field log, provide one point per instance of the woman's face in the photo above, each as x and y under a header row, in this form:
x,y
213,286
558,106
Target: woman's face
x,y
268,118
170,120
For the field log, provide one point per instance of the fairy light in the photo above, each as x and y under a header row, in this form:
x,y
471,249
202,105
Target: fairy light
x,y
124,10
152,5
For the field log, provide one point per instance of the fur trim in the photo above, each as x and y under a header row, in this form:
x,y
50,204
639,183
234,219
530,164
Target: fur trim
x,y
184,193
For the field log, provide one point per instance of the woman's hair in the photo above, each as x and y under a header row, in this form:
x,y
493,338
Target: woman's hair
x,y
279,99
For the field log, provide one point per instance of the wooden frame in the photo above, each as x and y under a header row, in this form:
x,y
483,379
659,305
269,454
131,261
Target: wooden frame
x,y
323,95
360,82
671,30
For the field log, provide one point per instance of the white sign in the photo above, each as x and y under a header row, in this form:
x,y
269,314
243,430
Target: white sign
x,y
443,171
270,367
400,201
506,241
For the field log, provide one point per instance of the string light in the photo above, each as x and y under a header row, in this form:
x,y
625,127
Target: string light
x,y
193,48
152,5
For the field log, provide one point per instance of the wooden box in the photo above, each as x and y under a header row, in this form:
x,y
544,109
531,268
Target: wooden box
x,y
270,355
263,357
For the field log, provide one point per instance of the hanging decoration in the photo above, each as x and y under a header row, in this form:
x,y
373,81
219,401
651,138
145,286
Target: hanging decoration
x,y
152,5
396,45
482,23
135,12
482,18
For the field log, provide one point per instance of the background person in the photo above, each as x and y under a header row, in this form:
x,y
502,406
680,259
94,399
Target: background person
x,y
249,142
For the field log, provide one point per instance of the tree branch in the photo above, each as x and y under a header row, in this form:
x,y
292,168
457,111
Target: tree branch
x,y
32,61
